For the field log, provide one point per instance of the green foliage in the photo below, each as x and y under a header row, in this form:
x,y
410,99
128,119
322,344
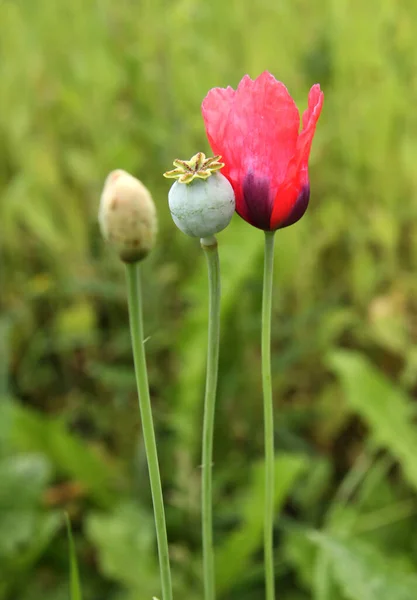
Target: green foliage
x,y
386,409
26,527
125,540
32,433
364,573
242,543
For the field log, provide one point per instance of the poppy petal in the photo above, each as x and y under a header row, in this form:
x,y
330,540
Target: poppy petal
x,y
256,201
216,107
298,208
255,129
310,118
292,196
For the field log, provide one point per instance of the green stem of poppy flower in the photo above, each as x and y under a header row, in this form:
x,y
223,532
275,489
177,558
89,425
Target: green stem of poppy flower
x,y
268,415
136,330
209,246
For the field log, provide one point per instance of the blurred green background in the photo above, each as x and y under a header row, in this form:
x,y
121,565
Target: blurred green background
x,y
87,86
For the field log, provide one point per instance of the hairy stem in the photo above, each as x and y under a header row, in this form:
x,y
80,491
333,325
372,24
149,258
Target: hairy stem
x,y
136,330
209,246
268,415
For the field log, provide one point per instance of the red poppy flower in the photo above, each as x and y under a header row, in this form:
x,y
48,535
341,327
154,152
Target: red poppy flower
x,y
256,131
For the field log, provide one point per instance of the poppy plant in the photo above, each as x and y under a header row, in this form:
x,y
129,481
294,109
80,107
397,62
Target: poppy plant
x,y
256,131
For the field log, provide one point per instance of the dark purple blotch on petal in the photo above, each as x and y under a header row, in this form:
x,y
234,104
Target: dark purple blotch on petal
x,y
257,200
299,207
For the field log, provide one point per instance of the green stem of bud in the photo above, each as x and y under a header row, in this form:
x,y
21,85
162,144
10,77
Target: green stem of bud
x,y
209,246
136,330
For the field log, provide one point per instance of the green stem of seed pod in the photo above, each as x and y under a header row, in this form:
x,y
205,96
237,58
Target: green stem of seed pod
x,y
209,246
136,330
268,415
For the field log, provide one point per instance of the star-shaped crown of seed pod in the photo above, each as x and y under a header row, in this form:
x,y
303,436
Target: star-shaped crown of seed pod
x,y
198,167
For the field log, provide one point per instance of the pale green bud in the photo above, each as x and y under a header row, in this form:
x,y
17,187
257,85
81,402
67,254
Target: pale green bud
x,y
127,216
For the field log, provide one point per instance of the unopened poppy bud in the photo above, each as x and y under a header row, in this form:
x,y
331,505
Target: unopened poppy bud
x,y
127,216
202,200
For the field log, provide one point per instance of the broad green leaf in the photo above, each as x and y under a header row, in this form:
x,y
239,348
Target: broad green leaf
x,y
23,479
26,527
363,573
233,557
300,553
33,432
386,409
125,541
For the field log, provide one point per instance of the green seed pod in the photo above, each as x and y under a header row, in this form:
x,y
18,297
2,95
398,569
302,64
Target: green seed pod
x,y
127,216
202,201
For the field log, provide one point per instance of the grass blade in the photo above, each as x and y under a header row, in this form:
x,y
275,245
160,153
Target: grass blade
x,y
75,585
